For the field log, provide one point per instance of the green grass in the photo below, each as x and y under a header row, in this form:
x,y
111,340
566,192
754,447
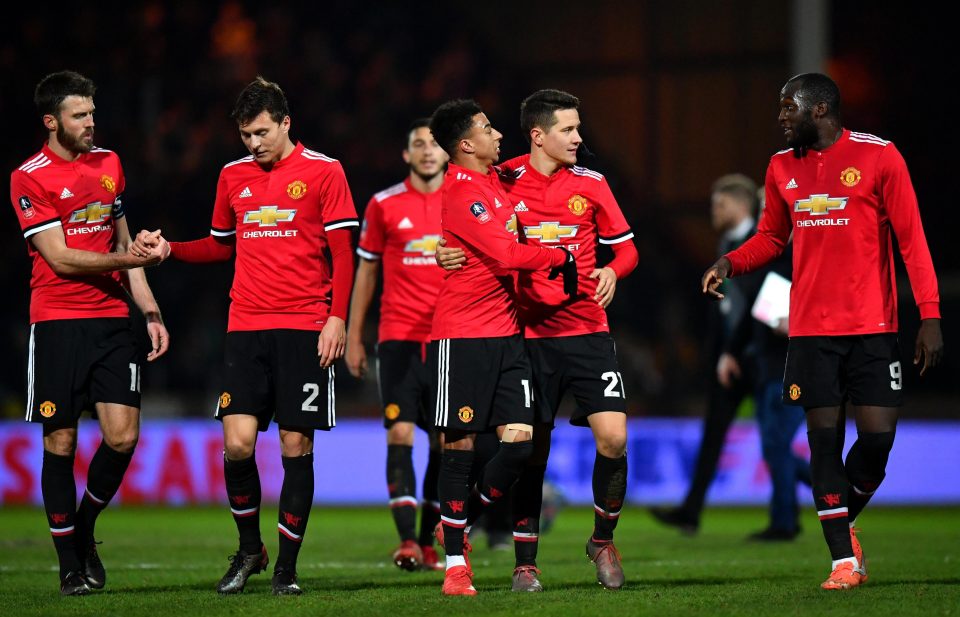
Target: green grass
x,y
163,561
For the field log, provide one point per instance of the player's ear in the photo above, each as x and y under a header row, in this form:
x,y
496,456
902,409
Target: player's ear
x,y
406,156
50,121
466,146
536,135
285,124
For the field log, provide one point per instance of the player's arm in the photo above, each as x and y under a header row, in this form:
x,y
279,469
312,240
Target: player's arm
x,y
449,257
340,217
625,259
900,202
66,261
135,282
364,286
773,233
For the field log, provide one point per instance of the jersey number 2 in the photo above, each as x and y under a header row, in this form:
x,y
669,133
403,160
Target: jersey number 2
x,y
313,391
611,390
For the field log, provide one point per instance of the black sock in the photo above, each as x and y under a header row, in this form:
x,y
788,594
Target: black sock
x,y
609,489
430,508
103,481
527,501
453,492
243,491
401,484
59,490
866,468
497,477
830,489
296,499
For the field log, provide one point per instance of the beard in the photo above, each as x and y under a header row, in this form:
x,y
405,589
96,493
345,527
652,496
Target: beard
x,y
804,133
74,143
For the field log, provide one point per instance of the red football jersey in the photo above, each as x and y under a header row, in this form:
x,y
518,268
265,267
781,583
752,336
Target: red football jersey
x,y
82,197
574,208
401,226
282,277
841,204
478,301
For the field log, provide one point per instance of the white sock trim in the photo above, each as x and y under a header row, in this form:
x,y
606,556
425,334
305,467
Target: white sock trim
x,y
837,562
455,560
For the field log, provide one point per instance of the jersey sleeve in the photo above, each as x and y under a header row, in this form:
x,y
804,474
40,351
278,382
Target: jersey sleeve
x,y
224,222
612,227
336,202
773,232
900,203
372,237
118,211
471,218
34,210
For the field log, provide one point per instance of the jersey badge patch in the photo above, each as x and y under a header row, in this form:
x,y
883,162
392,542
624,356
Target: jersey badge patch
x,y
578,204
794,392
465,414
26,207
108,183
47,409
225,400
850,177
392,411
477,210
297,189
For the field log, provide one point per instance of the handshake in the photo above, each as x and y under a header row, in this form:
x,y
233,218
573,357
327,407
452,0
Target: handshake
x,y
150,246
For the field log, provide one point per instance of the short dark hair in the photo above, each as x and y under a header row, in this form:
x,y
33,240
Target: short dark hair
x,y
537,110
55,87
740,187
419,123
452,121
260,96
818,88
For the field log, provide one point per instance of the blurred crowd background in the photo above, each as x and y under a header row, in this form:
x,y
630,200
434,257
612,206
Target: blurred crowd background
x,y
673,95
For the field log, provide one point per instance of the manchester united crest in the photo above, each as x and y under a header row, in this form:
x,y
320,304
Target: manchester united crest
x,y
225,400
391,411
850,177
297,189
47,409
108,183
465,414
794,392
578,204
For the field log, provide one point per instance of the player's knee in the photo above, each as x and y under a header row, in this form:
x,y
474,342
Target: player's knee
x,y
236,448
124,442
61,442
400,434
875,450
517,433
612,445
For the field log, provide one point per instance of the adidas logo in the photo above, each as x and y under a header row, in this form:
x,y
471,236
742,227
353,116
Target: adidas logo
x,y
246,192
792,184
405,224
520,207
496,202
66,194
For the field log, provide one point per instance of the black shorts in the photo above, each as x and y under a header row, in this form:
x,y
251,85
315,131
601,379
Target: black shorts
x,y
75,363
406,393
481,383
276,374
586,366
825,371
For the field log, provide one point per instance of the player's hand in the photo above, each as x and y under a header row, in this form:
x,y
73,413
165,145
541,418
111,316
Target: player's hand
x,y
331,341
356,359
728,370
449,259
929,344
714,276
159,337
150,246
569,271
606,287
783,327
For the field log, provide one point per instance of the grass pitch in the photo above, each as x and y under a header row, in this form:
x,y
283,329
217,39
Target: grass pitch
x,y
167,561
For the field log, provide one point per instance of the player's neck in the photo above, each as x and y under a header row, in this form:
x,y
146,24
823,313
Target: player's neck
x,y
543,163
423,184
68,155
472,163
827,136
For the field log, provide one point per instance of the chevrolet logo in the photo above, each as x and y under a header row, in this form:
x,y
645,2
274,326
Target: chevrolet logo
x,y
92,213
267,216
426,245
819,204
550,231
